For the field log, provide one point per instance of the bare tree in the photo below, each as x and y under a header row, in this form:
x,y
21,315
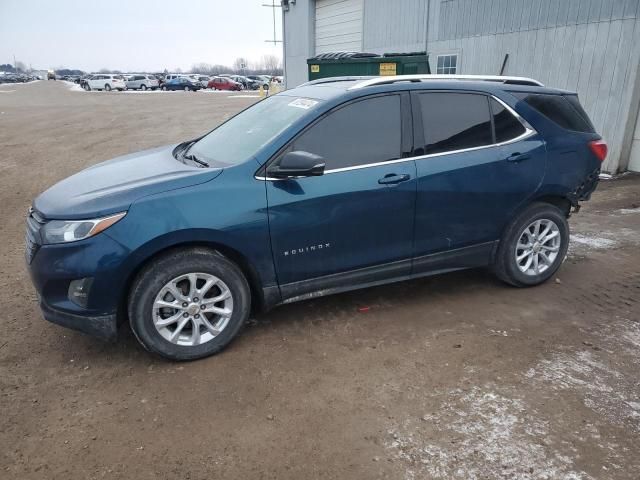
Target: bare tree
x,y
20,66
271,64
240,64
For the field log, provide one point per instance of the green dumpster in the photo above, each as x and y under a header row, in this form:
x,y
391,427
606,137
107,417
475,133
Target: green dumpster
x,y
341,64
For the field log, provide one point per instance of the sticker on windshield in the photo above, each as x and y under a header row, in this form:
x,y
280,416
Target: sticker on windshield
x,y
305,103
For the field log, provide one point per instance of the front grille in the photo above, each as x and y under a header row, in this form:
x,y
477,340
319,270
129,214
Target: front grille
x,y
32,238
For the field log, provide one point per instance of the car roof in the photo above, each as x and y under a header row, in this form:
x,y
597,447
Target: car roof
x,y
328,88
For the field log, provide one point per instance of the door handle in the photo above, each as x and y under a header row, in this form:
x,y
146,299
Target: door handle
x,y
393,178
518,157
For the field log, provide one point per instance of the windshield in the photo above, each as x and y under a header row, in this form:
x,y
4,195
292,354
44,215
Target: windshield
x,y
242,136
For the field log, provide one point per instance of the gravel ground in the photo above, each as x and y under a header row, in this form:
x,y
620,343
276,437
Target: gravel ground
x,y
456,376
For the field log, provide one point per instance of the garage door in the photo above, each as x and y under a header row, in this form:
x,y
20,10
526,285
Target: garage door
x,y
634,161
338,26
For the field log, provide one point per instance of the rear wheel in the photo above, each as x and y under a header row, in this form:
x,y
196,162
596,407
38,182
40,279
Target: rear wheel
x,y
533,246
188,304
143,87
107,87
186,89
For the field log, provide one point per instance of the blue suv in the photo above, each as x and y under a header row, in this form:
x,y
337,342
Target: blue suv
x,y
338,184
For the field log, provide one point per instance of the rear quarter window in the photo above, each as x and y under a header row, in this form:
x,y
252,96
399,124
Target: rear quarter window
x,y
564,110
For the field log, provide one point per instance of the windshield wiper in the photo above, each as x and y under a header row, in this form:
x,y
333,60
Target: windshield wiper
x,y
190,156
193,158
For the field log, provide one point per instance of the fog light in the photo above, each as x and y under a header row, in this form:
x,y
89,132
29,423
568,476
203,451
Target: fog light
x,y
79,291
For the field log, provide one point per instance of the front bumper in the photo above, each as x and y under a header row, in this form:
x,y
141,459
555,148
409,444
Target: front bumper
x,y
54,268
103,326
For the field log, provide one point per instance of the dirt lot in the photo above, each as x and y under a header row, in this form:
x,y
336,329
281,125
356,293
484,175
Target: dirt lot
x,y
457,376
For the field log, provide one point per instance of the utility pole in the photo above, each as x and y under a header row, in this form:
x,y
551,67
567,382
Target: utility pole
x,y
15,65
273,7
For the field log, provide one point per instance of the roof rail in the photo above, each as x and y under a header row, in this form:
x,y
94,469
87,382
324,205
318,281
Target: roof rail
x,y
419,78
320,81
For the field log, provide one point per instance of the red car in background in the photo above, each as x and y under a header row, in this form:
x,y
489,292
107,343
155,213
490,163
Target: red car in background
x,y
223,83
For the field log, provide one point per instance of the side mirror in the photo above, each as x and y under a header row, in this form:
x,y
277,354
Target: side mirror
x,y
297,164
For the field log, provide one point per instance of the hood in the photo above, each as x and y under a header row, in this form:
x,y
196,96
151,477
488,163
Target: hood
x,y
112,186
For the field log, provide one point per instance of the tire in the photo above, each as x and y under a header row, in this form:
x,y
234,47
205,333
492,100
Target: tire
x,y
152,281
506,265
87,87
186,89
143,87
164,89
107,87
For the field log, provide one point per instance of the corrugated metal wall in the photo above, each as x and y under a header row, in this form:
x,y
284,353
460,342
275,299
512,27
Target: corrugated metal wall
x,y
400,28
338,25
589,46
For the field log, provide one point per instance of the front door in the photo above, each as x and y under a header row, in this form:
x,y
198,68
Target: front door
x,y
480,164
354,224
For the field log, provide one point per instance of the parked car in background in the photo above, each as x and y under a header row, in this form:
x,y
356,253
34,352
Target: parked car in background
x,y
224,83
105,81
261,80
51,75
173,76
203,79
142,82
181,83
246,83
83,82
504,159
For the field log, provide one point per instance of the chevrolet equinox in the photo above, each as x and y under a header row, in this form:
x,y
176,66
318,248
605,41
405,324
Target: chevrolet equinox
x,y
338,184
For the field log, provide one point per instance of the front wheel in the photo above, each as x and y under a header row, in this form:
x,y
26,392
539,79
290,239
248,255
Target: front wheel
x,y
164,89
188,304
143,87
533,246
107,87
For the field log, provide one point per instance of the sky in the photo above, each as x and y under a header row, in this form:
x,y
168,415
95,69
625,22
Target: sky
x,y
129,35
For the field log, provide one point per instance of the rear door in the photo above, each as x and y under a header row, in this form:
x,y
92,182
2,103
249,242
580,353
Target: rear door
x,y
356,220
479,162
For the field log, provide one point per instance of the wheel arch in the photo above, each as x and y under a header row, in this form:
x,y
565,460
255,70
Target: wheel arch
x,y
147,254
557,200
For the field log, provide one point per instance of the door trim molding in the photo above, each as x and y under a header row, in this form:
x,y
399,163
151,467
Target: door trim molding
x,y
473,256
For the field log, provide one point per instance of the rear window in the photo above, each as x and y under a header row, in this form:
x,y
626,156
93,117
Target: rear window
x,y
564,110
455,121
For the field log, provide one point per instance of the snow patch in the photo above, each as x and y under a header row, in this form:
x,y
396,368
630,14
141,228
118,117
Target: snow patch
x,y
603,388
628,211
482,434
592,241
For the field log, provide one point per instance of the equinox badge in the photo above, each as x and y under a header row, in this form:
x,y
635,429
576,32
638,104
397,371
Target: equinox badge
x,y
312,248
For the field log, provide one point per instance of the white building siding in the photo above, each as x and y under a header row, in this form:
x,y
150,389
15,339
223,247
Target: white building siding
x,y
588,46
338,26
388,30
599,60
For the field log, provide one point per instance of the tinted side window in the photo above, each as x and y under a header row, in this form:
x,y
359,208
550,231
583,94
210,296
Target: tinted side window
x,y
363,132
559,110
454,121
506,126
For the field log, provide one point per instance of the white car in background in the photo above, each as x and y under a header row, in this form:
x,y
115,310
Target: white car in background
x,y
201,79
142,82
105,81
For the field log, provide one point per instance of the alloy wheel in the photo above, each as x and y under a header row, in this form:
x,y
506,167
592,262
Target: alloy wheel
x,y
192,309
538,247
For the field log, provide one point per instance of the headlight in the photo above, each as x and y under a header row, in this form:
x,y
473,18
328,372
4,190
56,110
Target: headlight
x,y
61,231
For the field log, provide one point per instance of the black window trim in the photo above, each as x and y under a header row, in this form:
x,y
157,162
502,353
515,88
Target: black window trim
x,y
406,136
409,129
581,115
418,131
